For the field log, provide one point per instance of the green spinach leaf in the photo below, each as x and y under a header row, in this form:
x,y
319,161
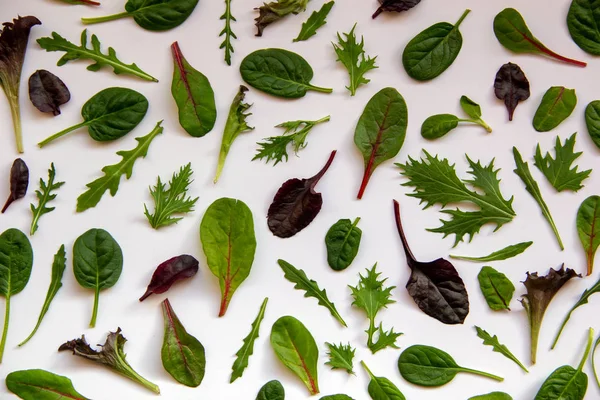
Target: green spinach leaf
x,y
488,340
272,390
37,384
492,396
381,388
556,106
336,397
497,289
588,227
502,254
592,121
583,21
44,195
244,353
352,55
342,241
316,20
341,357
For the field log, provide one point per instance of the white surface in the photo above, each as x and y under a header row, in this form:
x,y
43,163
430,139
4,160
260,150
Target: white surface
x,y
78,161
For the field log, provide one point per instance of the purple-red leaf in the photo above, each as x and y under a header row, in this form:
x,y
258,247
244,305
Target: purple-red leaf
x,y
435,286
47,92
395,5
19,180
169,272
296,204
512,86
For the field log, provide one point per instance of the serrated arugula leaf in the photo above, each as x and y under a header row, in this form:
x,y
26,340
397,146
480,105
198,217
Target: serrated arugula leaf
x,y
44,195
341,357
493,341
74,52
228,32
435,182
302,282
314,22
112,173
173,200
352,55
558,170
371,297
275,148
244,353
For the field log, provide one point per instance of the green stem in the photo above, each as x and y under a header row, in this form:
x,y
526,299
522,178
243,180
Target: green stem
x,y
319,89
587,349
462,18
370,333
127,371
5,330
481,373
479,122
95,312
13,102
324,119
562,327
32,333
367,369
97,20
555,229
61,133
593,363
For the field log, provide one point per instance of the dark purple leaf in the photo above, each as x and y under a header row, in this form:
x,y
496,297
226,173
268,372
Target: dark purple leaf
x,y
395,5
169,272
512,86
47,92
435,286
19,180
296,204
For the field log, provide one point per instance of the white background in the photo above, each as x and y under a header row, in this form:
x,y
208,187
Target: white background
x,y
79,159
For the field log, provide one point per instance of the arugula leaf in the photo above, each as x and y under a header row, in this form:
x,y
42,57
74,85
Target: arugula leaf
x,y
435,182
314,22
341,356
228,32
488,340
244,353
275,147
311,288
558,170
172,200
44,195
502,254
370,295
352,55
112,173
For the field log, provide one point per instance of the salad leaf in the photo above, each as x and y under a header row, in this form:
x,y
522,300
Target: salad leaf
x,y
37,384
314,22
167,273
588,227
556,106
341,357
583,21
244,353
558,170
502,254
381,388
276,10
352,55
592,121
272,390
439,125
492,396
44,195
497,289
395,5
228,32
19,181
512,86
47,92
342,241
488,340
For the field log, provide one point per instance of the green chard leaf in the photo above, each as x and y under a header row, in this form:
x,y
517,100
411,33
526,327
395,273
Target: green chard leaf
x,y
44,195
341,357
112,173
583,21
342,241
173,200
236,124
435,182
352,55
557,105
228,32
502,254
497,289
588,227
488,340
244,353
37,384
532,187
381,388
275,10
272,390
94,53
58,269
274,148
302,282
592,121
314,22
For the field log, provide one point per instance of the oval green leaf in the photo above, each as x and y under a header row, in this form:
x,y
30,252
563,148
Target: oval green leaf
x,y
497,289
438,125
592,121
272,390
342,241
337,397
556,106
37,384
381,388
583,21
492,396
588,227
564,383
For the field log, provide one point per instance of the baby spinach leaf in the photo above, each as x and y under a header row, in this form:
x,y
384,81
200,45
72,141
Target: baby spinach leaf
x,y
540,292
112,356
532,187
44,195
229,243
58,269
296,204
341,357
314,22
502,254
381,388
336,397
583,21
473,110
342,241
497,289
272,390
19,181
279,72
435,286
512,86
275,10
513,33
182,354
94,53
567,382
153,15
47,92
395,6
303,282
492,396
167,273
558,170
112,173
193,95
439,125
37,384
296,349
592,121
236,124
244,353
16,260
352,55
97,263
380,131
588,228
432,51
556,106
431,367
488,340
109,115
228,32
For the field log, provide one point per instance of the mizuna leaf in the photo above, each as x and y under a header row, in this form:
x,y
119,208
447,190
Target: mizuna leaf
x,y
381,388
228,32
488,340
592,121
94,53
588,227
44,195
502,254
314,22
512,86
304,283
182,354
37,384
380,131
341,357
229,243
556,106
297,350
19,181
342,241
583,21
244,353
112,173
497,289
194,96
395,6
352,54
170,272
272,390
47,92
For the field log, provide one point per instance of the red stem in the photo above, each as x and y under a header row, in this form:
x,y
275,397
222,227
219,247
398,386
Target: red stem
x,y
379,11
315,179
407,250
562,58
89,2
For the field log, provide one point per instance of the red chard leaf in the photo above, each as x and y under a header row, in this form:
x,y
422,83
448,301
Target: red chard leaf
x,y
395,5
19,180
512,86
47,92
169,272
